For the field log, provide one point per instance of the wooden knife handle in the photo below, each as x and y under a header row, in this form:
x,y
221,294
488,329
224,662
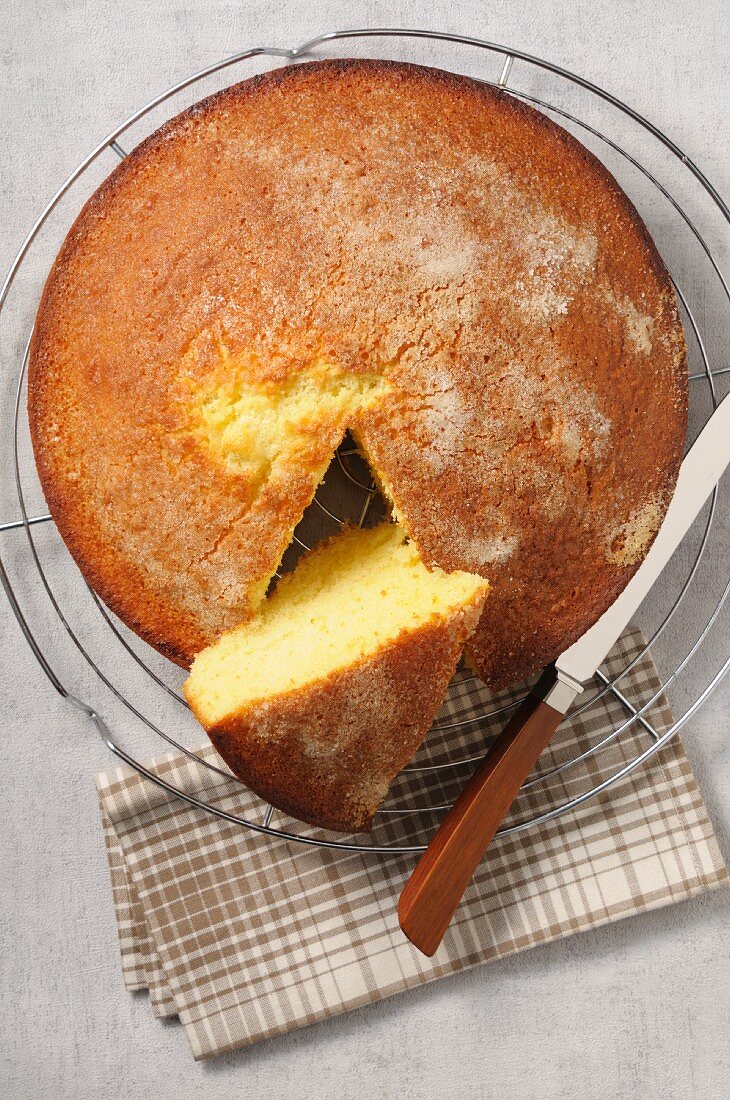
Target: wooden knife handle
x,y
433,892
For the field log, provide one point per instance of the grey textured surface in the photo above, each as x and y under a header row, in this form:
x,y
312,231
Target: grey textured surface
x,y
637,1009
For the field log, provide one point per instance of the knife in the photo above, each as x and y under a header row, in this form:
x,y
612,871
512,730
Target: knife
x,y
433,892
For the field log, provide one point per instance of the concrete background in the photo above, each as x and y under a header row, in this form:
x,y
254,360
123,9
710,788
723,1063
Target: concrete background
x,y
637,1009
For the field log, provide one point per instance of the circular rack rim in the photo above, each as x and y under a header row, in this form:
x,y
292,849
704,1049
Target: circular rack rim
x,y
27,522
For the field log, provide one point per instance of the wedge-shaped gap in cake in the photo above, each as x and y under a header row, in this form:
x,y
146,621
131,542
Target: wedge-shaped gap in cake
x,y
347,496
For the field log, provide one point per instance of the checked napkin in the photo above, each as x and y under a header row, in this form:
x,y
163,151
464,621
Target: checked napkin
x,y
244,936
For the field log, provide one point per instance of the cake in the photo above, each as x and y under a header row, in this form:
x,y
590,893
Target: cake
x,y
320,699
402,252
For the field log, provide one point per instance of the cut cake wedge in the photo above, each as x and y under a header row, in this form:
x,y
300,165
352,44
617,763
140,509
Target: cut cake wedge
x,y
319,701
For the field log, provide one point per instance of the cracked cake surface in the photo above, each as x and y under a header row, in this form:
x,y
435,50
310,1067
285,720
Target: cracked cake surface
x,y
380,247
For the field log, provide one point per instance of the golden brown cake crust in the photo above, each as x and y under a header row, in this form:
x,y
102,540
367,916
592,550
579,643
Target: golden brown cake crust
x,y
391,219
327,754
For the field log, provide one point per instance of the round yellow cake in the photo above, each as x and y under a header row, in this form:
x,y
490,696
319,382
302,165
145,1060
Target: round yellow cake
x,y
363,245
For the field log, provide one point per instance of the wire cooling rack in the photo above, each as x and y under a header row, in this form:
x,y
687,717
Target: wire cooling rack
x,y
669,190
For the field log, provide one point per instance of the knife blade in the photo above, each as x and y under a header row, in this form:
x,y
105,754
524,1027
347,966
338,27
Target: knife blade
x,y
433,891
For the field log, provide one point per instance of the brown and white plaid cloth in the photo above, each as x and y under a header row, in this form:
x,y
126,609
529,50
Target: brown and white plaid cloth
x,y
245,936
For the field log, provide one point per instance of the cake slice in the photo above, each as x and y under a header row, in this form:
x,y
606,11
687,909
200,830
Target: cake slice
x,y
319,701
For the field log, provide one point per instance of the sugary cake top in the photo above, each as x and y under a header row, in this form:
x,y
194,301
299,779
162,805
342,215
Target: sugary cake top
x,y
360,244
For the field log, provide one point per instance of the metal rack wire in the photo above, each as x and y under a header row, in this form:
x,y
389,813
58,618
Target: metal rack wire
x,y
460,738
